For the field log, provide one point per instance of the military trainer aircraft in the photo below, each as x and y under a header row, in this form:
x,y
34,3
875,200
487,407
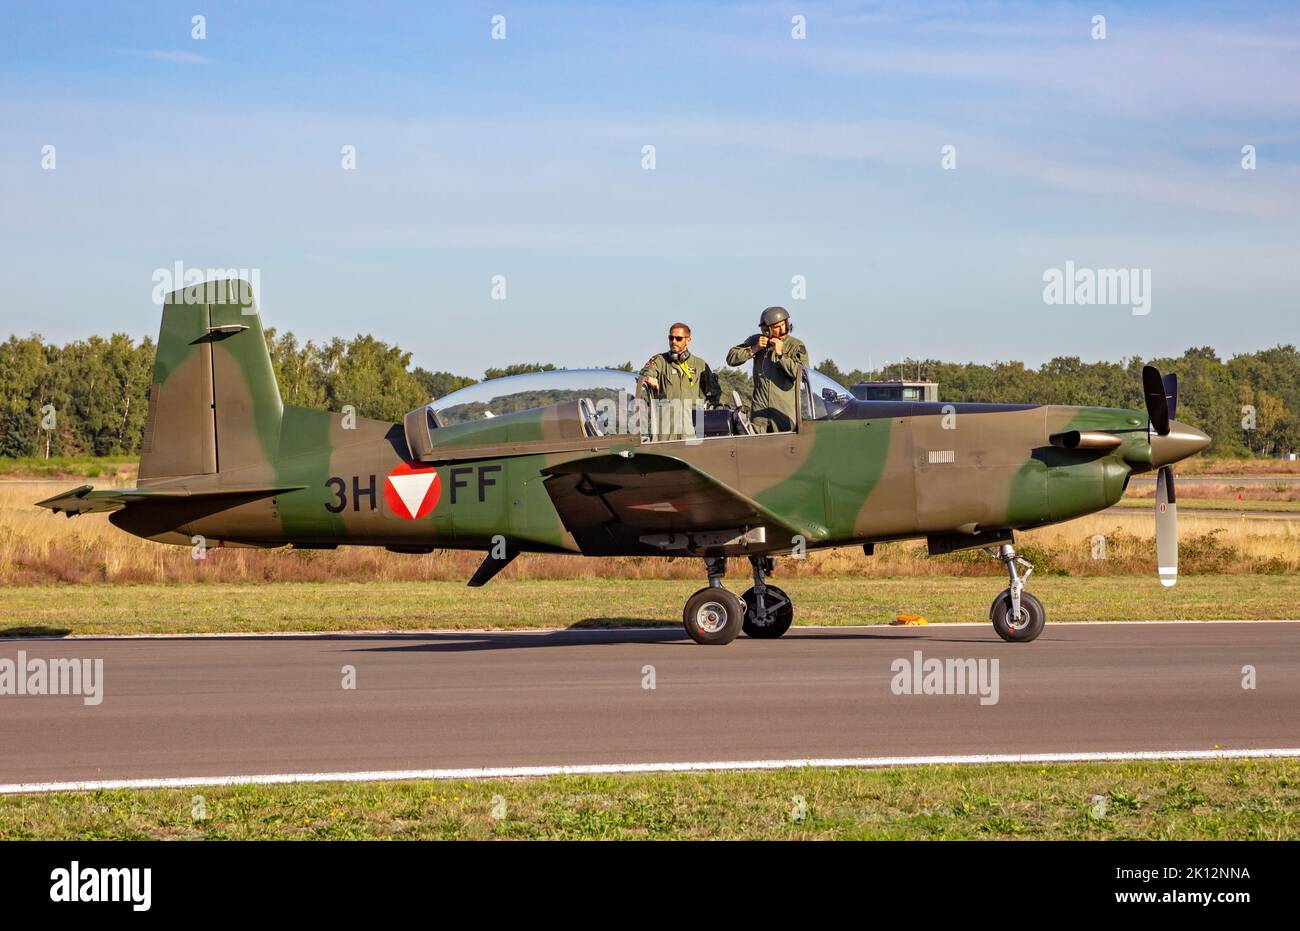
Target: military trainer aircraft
x,y
566,462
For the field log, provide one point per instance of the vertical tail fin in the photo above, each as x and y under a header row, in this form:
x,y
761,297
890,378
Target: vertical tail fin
x,y
214,405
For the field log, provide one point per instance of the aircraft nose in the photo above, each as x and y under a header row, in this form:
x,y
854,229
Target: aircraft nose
x,y
1182,441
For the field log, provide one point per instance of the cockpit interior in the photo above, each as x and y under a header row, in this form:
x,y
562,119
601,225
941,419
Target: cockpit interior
x,y
601,403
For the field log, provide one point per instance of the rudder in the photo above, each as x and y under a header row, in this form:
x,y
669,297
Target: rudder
x,y
214,405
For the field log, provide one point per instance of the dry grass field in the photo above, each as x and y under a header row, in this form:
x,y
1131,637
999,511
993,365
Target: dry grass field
x,y
38,547
1279,491
1224,465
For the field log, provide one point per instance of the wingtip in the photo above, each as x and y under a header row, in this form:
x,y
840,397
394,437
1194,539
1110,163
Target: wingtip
x,y
52,502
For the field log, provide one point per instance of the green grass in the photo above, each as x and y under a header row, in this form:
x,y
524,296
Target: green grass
x,y
27,467
521,604
1229,799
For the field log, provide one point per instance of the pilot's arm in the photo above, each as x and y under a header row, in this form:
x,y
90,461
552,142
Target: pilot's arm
x,y
742,353
791,357
653,368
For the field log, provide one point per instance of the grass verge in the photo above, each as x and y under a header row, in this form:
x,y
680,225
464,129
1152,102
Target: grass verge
x,y
90,609
1220,799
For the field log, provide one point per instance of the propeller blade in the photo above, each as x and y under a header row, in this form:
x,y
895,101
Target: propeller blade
x,y
1170,382
1153,386
1166,527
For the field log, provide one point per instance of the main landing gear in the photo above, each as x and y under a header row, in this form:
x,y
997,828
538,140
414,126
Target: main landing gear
x,y
1017,616
714,615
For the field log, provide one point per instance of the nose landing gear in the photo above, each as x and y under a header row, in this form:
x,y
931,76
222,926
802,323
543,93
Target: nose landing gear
x,y
1017,616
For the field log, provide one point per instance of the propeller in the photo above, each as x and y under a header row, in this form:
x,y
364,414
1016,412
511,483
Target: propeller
x,y
1166,527
1159,405
1162,400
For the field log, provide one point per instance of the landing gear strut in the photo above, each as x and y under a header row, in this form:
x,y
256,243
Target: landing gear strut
x,y
714,615
768,610
1017,616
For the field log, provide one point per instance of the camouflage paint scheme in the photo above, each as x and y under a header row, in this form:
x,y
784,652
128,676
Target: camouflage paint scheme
x,y
225,459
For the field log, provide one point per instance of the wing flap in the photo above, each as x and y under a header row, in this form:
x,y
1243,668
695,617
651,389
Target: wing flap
x,y
609,502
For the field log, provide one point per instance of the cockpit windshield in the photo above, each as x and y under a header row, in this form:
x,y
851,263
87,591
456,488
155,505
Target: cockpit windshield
x,y
823,397
535,389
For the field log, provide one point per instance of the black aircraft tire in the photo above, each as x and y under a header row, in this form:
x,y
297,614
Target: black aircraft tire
x,y
784,616
713,616
1029,629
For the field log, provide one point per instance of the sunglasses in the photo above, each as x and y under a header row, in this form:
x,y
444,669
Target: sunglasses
x,y
678,339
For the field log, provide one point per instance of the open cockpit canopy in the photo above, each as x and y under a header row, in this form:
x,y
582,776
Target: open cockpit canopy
x,y
595,402
530,391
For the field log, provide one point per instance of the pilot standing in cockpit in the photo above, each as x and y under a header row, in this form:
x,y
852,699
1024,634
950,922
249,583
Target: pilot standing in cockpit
x,y
680,384
779,359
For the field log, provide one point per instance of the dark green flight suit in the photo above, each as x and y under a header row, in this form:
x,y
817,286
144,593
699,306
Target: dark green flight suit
x,y
776,382
683,387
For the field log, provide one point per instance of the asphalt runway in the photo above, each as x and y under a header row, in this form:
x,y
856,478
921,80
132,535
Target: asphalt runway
x,y
236,706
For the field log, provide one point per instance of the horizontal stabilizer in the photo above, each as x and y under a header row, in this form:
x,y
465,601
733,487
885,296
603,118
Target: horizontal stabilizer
x,y
88,500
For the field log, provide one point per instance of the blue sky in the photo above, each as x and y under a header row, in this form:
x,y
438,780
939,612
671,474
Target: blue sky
x,y
775,157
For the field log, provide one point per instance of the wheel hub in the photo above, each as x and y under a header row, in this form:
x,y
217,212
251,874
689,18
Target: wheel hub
x,y
711,617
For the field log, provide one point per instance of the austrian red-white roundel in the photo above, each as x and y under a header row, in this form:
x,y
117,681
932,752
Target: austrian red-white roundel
x,y
412,491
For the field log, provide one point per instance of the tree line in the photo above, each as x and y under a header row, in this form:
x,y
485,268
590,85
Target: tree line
x,y
89,397
1249,404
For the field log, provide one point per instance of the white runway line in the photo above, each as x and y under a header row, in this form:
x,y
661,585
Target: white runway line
x,y
603,769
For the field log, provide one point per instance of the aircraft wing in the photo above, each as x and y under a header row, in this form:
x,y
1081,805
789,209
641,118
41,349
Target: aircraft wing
x,y
611,503
86,499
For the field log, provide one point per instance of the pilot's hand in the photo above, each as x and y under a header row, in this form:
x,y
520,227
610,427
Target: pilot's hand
x,y
762,344
778,345
652,382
